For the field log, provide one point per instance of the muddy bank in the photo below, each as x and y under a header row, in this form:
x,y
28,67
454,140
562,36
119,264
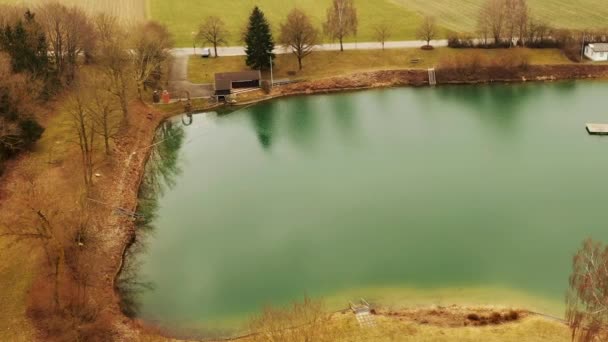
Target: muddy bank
x,y
396,78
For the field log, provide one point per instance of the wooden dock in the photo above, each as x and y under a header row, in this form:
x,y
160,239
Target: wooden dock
x,y
597,129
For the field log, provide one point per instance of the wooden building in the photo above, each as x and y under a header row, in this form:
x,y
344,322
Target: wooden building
x,y
226,82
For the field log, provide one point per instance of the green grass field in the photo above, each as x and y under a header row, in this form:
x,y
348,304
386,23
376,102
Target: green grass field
x,y
404,16
183,17
461,15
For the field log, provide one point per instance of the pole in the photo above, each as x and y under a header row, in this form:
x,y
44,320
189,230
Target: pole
x,y
194,42
271,75
583,47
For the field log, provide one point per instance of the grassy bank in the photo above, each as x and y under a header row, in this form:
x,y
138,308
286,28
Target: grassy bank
x,y
17,271
334,63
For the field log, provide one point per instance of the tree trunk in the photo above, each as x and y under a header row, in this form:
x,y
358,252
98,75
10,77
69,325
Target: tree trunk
x,y
215,49
300,62
106,137
123,103
56,285
341,45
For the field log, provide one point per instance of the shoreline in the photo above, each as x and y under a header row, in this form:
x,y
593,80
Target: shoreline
x,y
362,81
419,78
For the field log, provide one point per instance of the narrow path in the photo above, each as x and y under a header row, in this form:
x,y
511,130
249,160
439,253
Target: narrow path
x,y
240,50
178,80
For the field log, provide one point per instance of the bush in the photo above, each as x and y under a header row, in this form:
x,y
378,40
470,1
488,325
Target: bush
x,y
31,131
512,316
495,318
458,41
479,66
473,317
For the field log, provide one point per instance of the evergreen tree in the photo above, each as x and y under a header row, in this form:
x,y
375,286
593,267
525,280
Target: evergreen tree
x,y
26,45
258,40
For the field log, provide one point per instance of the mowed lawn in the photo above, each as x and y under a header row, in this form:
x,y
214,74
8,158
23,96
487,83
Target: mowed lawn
x,y
184,16
128,11
461,15
334,63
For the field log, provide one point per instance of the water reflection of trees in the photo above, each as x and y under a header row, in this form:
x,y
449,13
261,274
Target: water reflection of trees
x,y
300,119
161,169
502,98
263,119
302,123
160,174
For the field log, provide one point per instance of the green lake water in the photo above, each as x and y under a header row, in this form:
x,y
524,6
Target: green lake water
x,y
341,196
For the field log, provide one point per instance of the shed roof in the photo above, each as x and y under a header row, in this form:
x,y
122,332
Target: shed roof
x,y
599,47
223,80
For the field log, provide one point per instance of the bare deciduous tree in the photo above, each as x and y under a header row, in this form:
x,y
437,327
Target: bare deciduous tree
x,y
427,30
587,298
105,113
382,33
537,31
483,29
299,34
516,19
114,59
151,48
492,16
39,225
213,31
70,34
521,19
83,128
341,21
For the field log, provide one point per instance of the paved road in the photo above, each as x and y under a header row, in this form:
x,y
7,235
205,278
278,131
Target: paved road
x,y
178,80
240,50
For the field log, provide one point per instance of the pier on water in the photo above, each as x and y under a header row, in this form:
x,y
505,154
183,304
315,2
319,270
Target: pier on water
x,y
597,129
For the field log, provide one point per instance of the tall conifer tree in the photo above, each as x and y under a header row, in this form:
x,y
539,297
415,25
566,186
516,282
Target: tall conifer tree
x,y
258,40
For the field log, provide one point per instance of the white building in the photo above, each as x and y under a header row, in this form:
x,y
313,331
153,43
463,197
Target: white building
x,y
597,52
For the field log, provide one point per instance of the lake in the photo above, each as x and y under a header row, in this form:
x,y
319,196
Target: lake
x,y
458,194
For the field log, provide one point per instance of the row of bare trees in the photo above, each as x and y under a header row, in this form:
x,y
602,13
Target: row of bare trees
x,y
503,20
297,31
507,23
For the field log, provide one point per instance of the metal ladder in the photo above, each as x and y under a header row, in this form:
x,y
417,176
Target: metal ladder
x,y
363,314
432,78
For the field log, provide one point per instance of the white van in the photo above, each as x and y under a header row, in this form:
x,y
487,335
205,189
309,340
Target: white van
x,y
206,53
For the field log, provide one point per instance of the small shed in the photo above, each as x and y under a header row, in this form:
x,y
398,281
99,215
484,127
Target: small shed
x,y
226,82
597,52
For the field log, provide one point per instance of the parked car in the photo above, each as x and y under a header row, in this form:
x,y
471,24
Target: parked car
x,y
206,53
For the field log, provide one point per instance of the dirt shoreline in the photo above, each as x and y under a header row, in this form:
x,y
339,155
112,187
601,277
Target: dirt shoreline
x,y
134,152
